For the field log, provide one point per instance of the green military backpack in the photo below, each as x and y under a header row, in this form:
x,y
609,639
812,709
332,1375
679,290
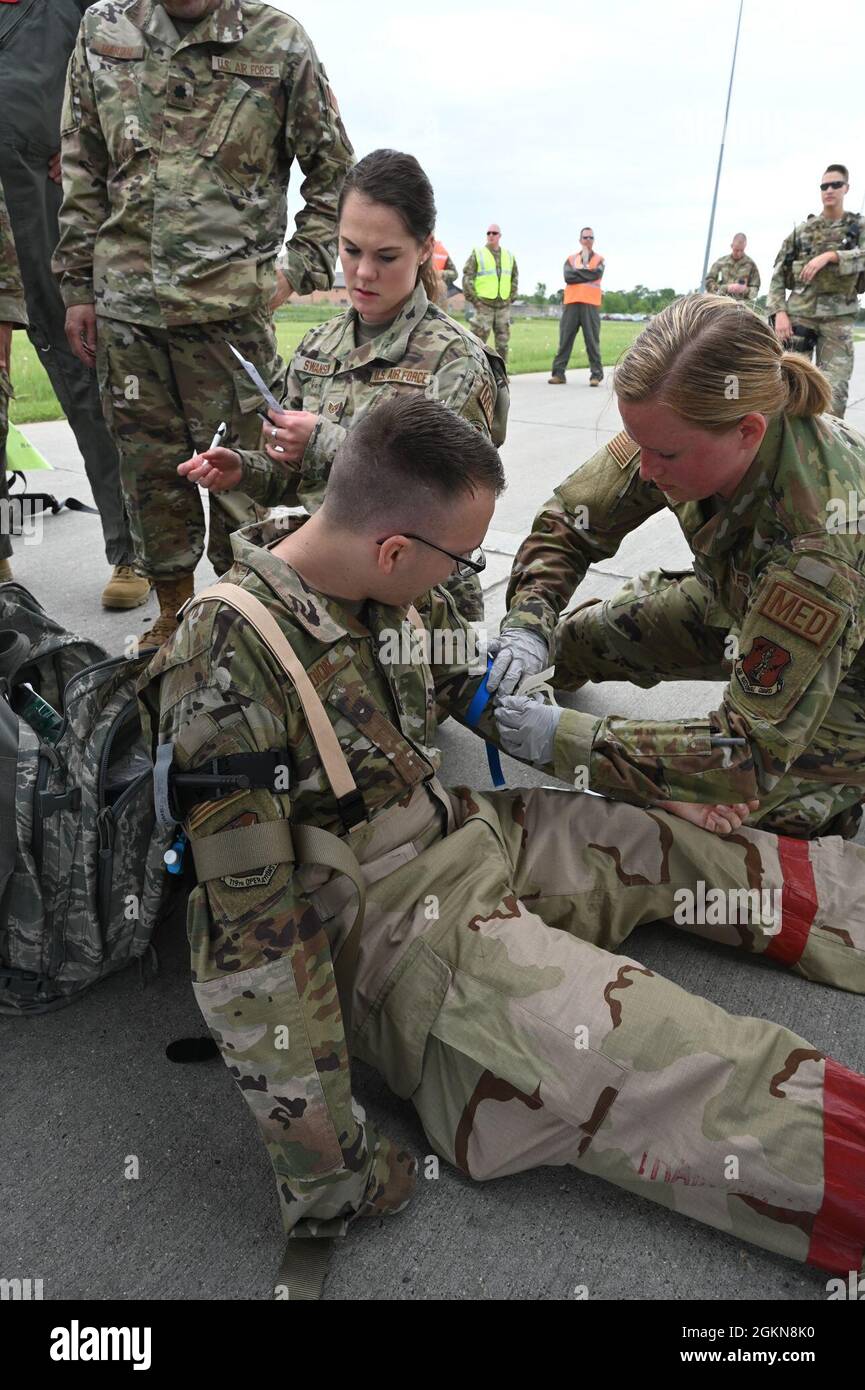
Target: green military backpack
x,y
82,878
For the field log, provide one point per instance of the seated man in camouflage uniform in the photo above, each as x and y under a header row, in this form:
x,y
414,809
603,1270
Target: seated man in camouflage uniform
x,y
736,442
491,918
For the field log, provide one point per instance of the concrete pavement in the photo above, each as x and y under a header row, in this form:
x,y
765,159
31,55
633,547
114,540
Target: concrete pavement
x,y
89,1088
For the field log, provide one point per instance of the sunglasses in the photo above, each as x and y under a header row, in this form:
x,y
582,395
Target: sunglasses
x,y
587,238
476,563
493,233
833,183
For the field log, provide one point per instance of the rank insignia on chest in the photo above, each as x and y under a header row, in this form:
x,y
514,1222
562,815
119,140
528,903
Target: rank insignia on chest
x,y
760,671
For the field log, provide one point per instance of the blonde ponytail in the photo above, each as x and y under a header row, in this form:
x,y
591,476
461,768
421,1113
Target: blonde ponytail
x,y
808,391
713,362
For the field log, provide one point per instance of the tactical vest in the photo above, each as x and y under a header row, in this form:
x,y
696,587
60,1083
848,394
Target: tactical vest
x,y
589,293
489,284
812,241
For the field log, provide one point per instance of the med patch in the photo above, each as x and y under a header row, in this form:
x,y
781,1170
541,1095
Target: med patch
x,y
799,612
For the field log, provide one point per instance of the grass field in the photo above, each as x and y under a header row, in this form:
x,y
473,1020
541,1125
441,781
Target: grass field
x,y
533,345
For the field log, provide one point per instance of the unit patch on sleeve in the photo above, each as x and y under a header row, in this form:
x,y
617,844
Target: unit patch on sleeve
x,y
760,671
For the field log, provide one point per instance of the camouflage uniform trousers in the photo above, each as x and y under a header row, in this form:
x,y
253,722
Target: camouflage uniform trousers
x,y
523,1041
164,391
655,629
493,318
833,355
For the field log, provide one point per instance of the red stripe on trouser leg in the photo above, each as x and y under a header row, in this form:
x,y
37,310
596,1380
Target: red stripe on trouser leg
x,y
838,1234
798,901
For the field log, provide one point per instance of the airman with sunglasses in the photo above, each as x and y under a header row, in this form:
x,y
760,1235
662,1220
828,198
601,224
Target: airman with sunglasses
x,y
822,264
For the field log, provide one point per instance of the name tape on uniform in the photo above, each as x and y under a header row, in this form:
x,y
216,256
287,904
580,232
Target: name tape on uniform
x,y
799,613
115,50
313,367
411,376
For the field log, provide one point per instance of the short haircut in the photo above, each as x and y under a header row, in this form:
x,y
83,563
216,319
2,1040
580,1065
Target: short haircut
x,y
405,459
838,169
737,235
583,231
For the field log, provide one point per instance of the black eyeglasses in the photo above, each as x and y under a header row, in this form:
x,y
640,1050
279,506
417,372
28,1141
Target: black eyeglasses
x,y
587,238
833,183
476,563
493,233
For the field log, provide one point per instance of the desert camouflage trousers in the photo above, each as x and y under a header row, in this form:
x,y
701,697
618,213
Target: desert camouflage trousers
x,y
523,1040
834,356
654,629
164,391
495,319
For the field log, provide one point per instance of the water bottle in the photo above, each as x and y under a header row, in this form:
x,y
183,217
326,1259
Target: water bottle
x,y
42,717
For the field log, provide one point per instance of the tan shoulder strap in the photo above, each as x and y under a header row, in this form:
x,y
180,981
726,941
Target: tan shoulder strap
x,y
332,757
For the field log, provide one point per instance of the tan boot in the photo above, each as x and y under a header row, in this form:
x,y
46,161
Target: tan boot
x,y
125,588
5,571
172,594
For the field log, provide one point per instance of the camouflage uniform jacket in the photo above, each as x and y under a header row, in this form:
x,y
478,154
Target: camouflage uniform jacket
x,y
13,308
176,157
423,350
832,293
470,270
726,270
784,574
261,955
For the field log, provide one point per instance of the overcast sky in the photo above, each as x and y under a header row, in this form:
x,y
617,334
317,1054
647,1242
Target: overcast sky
x,y
545,116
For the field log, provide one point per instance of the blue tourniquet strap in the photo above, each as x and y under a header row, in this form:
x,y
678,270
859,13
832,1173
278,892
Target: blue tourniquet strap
x,y
475,710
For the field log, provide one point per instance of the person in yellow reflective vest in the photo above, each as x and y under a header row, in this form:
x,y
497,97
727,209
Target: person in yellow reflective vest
x,y
490,285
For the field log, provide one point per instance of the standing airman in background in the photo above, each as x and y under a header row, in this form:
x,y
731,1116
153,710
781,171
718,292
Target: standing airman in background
x,y
13,314
582,310
822,263
490,281
36,40
180,126
735,275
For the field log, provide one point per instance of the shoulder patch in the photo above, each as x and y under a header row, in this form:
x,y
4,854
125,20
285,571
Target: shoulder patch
x,y
760,670
799,613
485,401
622,448
409,376
243,67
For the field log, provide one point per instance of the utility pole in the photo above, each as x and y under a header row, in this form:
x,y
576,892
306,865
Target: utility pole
x,y
721,152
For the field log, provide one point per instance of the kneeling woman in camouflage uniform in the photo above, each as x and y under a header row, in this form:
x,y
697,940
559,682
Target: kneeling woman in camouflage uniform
x,y
731,434
393,341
